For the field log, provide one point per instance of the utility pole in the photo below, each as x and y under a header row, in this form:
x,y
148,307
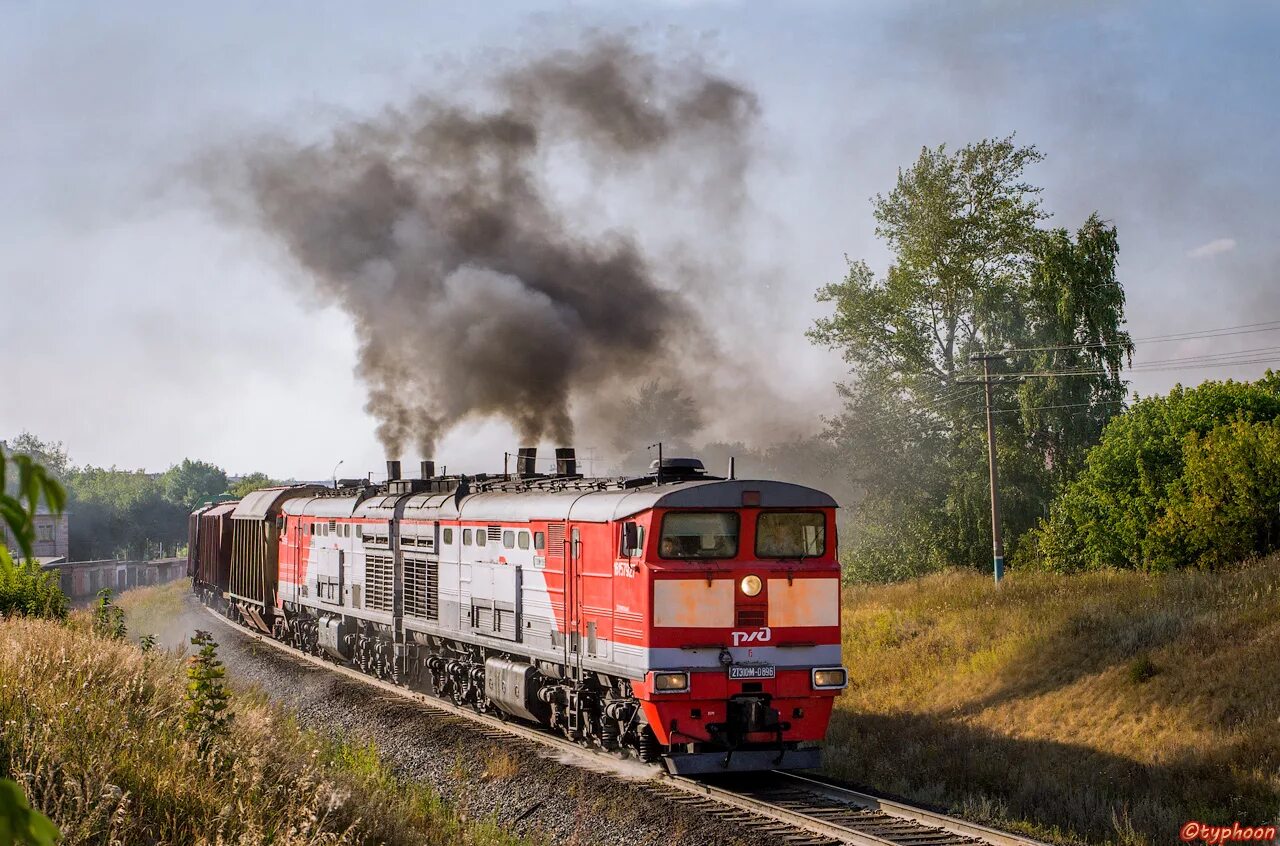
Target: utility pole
x,y
997,540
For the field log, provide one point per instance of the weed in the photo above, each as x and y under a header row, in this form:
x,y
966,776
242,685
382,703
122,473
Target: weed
x,y
500,765
207,717
108,618
1141,669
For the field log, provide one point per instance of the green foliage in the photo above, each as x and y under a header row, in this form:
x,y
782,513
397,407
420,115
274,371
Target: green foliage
x,y
961,227
1187,478
1142,669
207,717
31,485
19,823
24,588
147,642
1226,505
51,455
122,513
118,513
251,483
108,618
972,271
192,482
27,590
1075,299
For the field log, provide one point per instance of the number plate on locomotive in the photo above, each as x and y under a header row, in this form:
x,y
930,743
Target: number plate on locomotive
x,y
751,671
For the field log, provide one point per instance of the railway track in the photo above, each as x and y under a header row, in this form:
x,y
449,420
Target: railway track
x,y
798,810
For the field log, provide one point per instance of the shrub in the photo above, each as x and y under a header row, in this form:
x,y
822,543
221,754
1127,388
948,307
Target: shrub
x,y
108,618
207,717
1116,514
1226,504
26,590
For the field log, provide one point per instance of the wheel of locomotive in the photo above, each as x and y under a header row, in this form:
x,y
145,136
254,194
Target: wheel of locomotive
x,y
647,748
609,734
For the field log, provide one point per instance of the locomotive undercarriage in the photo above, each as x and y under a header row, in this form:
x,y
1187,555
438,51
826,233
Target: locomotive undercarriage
x,y
594,710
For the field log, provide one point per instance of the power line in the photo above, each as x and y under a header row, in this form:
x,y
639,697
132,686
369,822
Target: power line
x,y
1049,407
1252,351
1234,363
1189,335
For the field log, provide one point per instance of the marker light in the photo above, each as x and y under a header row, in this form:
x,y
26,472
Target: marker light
x,y
751,585
833,677
670,682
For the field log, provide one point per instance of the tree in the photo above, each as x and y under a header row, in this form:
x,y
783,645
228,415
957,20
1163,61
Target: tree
x,y
51,455
122,512
251,483
1225,506
656,412
972,271
1075,319
1160,467
192,482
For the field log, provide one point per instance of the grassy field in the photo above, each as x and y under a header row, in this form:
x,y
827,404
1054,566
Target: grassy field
x,y
1103,708
93,729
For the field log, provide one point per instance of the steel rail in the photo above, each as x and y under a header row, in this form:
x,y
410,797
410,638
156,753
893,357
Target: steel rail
x,y
924,826
910,812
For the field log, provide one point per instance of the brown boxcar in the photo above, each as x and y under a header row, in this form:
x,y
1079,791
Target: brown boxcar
x,y
255,552
213,537
193,540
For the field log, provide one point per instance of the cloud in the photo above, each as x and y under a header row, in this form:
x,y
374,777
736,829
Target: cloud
x,y
1217,245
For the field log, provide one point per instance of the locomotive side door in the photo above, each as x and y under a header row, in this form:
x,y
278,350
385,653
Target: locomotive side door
x,y
573,604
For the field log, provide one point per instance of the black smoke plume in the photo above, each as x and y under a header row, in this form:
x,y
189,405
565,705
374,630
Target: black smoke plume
x,y
436,228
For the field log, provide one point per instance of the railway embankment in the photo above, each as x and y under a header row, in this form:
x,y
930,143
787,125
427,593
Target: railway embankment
x,y
1109,707
468,772
120,745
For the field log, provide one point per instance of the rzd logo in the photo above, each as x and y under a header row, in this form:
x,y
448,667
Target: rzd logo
x,y
761,635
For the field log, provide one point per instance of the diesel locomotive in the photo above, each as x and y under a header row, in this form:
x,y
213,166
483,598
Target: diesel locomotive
x,y
678,617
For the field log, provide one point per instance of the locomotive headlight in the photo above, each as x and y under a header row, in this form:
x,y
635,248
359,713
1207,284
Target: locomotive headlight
x,y
751,585
670,682
833,677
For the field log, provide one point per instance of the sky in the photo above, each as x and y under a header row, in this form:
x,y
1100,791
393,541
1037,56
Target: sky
x,y
142,328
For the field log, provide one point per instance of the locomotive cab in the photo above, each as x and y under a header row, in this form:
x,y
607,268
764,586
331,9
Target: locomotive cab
x,y
745,639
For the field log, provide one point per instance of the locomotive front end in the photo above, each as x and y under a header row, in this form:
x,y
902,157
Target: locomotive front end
x,y
745,639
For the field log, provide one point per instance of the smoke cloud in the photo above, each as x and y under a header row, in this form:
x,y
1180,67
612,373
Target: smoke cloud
x,y
437,228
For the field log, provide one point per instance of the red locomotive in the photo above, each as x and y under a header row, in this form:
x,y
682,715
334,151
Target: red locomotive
x,y
680,616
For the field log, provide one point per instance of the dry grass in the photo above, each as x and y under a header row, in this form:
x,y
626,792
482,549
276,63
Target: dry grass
x,y
92,729
1107,707
500,765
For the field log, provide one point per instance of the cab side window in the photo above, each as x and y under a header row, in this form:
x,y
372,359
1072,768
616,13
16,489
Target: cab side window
x,y
630,539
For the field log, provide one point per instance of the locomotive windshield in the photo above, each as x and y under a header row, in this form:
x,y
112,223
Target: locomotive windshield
x,y
791,534
700,534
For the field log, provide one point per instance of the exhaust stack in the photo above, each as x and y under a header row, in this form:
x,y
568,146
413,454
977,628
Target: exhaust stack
x,y
393,470
566,461
428,469
526,461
